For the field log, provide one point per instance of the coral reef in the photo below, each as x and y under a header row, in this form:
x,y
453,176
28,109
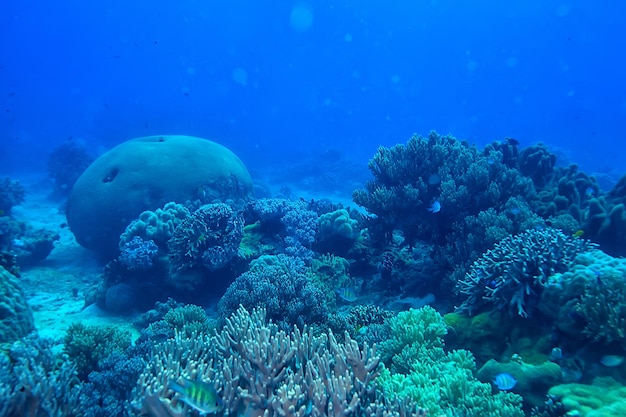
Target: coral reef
x,y
293,221
11,194
605,397
512,275
66,163
87,346
261,370
588,300
138,254
533,381
158,225
34,381
210,237
144,174
280,285
441,382
16,317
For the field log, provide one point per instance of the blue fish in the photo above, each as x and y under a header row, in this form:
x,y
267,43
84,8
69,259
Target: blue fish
x,y
435,207
347,294
504,381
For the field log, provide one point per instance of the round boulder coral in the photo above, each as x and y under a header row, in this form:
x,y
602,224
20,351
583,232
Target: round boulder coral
x,y
144,174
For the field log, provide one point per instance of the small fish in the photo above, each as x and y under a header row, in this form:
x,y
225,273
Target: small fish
x,y
504,381
435,207
347,294
578,233
198,395
612,360
556,354
590,192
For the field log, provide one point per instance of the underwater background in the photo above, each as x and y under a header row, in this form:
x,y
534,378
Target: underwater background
x,y
312,208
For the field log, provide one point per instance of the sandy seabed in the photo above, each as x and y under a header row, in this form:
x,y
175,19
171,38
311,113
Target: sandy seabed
x,y
55,289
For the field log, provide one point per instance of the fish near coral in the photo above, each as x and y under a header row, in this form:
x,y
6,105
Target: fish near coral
x,y
347,294
198,395
504,381
435,207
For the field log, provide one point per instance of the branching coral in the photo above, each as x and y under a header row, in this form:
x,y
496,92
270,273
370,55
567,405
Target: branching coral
x,y
512,275
260,370
86,346
34,381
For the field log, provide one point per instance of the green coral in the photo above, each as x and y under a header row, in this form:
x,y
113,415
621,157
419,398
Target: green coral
x,y
189,319
413,331
441,382
605,397
87,346
595,291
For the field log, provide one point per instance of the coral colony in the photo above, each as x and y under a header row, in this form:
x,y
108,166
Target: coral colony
x,y
467,282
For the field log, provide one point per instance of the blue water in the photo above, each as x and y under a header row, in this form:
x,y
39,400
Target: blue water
x,y
279,80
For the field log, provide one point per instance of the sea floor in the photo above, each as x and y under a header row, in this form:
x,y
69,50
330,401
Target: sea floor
x,y
55,289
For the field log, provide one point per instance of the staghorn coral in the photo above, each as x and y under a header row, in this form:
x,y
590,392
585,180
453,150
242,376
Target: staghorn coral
x,y
260,370
512,275
209,237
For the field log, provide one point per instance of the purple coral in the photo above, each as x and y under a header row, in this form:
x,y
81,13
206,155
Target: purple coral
x,y
138,254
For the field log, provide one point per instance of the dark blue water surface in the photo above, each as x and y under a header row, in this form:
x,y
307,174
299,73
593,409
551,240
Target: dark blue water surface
x,y
278,80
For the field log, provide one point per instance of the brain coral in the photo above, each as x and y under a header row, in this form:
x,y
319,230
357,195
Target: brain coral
x,y
144,174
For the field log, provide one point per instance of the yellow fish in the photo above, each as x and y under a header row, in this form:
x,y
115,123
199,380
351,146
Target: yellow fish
x,y
198,395
578,233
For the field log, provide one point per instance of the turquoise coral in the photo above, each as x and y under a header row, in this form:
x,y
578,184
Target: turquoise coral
x,y
442,382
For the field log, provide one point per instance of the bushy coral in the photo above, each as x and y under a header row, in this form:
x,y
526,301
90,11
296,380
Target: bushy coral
x,y
280,285
36,382
138,254
11,194
66,163
16,317
87,346
442,382
209,237
188,319
409,178
108,390
257,367
293,221
588,300
411,331
512,275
